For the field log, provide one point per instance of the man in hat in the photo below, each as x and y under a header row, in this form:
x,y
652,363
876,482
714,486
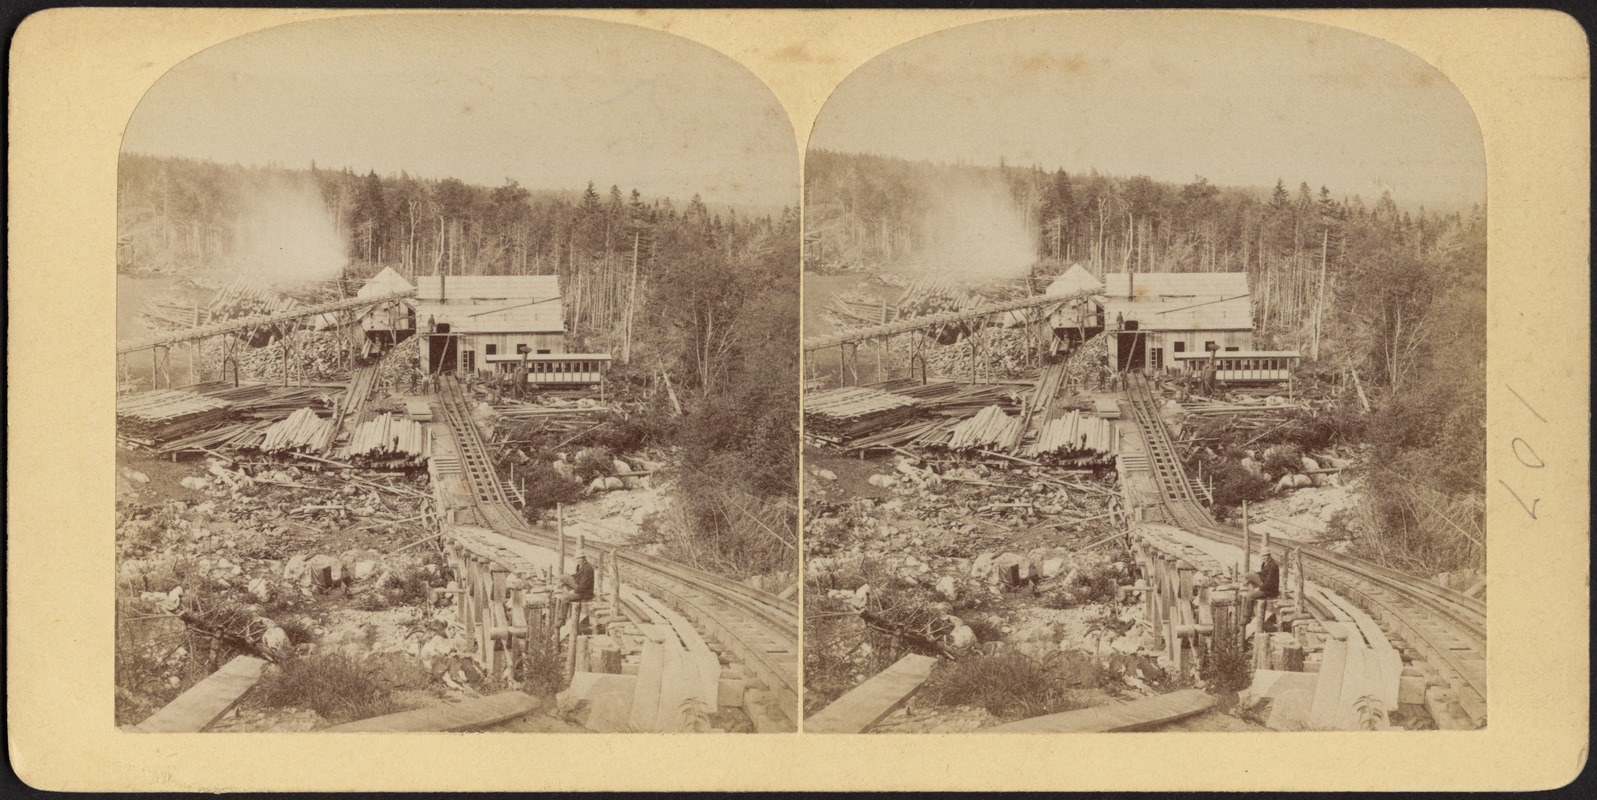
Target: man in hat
x,y
579,582
1266,582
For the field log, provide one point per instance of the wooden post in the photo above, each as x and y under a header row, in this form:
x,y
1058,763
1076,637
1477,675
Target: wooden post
x,y
1303,607
1247,542
560,531
615,586
571,655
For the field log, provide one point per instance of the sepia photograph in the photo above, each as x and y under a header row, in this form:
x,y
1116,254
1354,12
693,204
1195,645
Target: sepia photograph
x,y
457,385
1145,384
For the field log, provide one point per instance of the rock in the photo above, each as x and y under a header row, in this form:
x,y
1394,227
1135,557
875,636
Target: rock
x,y
1310,464
620,467
173,601
275,638
564,470
260,589
1253,466
962,637
134,475
1285,482
294,569
982,567
597,485
1301,481
631,482
883,481
1052,567
1127,644
613,484
948,587
364,569
195,483
826,475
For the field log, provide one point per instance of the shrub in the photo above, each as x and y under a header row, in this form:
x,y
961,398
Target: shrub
x,y
546,488
593,462
541,671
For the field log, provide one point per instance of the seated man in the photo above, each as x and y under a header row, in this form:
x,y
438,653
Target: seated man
x,y
1266,582
580,582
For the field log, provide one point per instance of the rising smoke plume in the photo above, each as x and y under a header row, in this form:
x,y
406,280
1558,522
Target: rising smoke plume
x,y
287,233
975,229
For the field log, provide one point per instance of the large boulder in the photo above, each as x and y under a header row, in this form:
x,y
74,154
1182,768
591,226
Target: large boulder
x,y
294,569
613,483
948,587
826,475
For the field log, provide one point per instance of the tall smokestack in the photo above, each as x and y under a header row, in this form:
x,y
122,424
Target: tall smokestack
x,y
1131,289
443,280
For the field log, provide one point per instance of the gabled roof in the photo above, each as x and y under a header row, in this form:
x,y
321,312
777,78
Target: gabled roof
x,y
386,282
486,288
1074,280
1180,301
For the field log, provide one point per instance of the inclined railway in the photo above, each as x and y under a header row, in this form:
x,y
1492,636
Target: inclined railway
x,y
1446,628
756,627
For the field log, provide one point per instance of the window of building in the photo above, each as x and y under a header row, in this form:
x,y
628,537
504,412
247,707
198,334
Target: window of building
x,y
1232,349
521,348
490,349
1156,357
1208,346
1181,347
543,352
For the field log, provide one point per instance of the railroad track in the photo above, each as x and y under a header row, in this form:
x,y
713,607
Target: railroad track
x,y
1447,629
758,628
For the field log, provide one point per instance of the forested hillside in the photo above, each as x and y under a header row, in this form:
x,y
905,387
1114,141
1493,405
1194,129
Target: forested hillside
x,y
708,300
1396,296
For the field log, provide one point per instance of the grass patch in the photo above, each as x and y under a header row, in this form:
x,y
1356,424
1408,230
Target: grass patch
x,y
333,685
1011,685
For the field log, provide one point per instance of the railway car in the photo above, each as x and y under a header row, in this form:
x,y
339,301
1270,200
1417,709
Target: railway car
x,y
557,370
1256,366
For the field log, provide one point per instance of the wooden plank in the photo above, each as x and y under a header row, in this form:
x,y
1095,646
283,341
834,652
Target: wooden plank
x,y
651,669
1389,661
1322,713
1147,712
474,714
205,702
1357,683
871,702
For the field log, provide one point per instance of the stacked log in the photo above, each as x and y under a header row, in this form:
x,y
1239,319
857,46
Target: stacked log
x,y
990,429
1075,435
388,440
303,431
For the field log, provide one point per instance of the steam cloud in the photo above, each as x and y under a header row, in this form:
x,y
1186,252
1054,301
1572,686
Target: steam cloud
x,y
286,233
974,228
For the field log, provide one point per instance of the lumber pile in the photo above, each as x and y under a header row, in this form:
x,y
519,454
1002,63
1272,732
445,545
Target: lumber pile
x,y
855,410
940,406
1049,382
990,429
388,440
151,417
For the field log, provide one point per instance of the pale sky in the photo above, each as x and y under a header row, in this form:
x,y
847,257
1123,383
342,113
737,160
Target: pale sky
x,y
550,102
1239,100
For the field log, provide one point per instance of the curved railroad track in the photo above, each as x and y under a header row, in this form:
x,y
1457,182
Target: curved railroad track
x,y
1446,628
758,628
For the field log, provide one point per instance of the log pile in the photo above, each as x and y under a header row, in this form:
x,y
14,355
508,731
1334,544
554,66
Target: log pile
x,y
150,417
1074,436
389,440
303,431
990,429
